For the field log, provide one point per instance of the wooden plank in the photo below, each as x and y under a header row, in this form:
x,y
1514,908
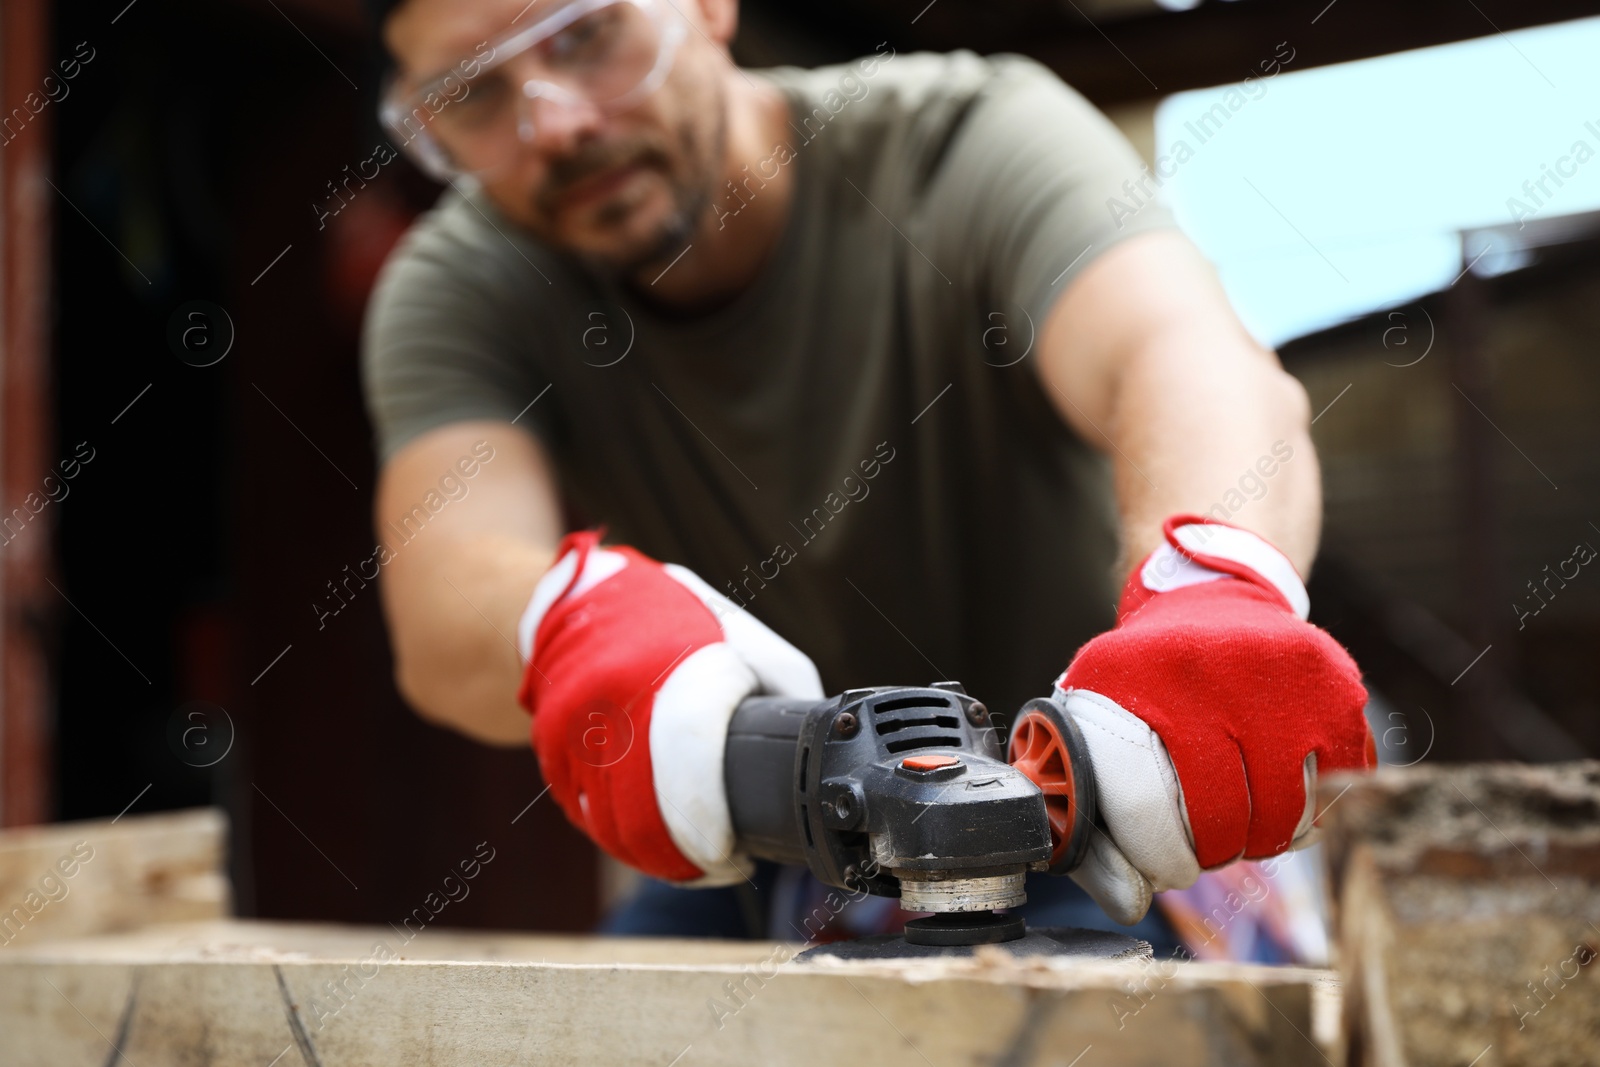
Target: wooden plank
x,y
249,993
75,879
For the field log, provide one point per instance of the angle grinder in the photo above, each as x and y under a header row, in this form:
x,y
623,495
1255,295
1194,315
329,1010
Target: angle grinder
x,y
920,793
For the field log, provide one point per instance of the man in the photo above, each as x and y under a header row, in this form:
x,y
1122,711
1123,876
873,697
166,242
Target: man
x,y
832,355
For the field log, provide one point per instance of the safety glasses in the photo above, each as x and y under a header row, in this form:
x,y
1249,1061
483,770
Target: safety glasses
x,y
475,118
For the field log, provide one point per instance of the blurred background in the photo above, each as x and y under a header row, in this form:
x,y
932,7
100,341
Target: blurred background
x,y
186,469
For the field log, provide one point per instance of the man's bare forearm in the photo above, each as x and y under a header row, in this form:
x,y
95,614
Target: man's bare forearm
x,y
457,662
1146,359
1205,421
454,592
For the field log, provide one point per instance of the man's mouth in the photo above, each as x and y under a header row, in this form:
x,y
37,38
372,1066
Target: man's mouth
x,y
597,187
600,178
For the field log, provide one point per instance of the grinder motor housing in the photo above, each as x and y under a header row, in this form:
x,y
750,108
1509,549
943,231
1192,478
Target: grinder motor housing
x,y
901,791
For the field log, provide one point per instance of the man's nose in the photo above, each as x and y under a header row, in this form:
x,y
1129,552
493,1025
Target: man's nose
x,y
555,119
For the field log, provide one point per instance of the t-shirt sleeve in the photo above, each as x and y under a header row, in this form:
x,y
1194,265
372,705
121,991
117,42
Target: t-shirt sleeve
x,y
441,344
1032,189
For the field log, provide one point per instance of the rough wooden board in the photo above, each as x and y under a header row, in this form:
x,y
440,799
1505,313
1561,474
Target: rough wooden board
x,y
247,993
126,873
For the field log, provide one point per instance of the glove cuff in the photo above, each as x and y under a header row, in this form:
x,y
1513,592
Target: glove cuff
x,y
580,565
1200,549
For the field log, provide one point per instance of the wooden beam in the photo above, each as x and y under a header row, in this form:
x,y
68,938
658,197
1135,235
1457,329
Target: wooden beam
x,y
260,993
1467,900
77,879
1115,60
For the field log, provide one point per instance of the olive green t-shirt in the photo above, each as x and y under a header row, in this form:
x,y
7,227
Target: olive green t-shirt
x,y
858,448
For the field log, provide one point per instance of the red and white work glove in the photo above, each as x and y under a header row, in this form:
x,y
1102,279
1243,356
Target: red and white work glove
x,y
1208,712
634,670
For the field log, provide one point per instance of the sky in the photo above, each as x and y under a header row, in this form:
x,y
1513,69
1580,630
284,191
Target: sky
x,y
1330,193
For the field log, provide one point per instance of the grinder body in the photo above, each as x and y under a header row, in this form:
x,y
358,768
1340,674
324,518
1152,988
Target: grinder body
x,y
901,791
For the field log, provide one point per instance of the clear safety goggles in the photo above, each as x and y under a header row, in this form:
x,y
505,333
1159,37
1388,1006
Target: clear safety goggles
x,y
475,118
